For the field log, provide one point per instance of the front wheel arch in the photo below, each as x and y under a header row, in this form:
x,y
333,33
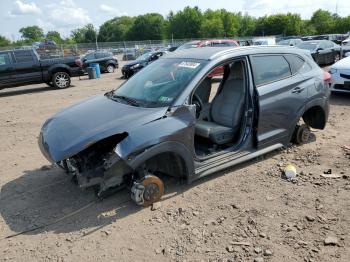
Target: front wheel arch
x,y
184,159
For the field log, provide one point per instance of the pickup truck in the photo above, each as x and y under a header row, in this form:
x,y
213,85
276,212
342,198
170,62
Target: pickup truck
x,y
24,67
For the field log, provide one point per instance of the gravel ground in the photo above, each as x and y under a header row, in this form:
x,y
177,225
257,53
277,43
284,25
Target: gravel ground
x,y
247,213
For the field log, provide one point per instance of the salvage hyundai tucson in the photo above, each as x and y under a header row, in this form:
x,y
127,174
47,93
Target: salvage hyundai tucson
x,y
174,118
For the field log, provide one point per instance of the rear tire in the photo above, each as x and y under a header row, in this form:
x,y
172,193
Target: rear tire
x,y
301,134
61,80
110,68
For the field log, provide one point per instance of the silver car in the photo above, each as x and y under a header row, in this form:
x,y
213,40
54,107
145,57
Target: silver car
x,y
189,114
340,73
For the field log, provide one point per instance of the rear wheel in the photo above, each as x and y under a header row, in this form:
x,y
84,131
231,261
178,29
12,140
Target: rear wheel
x,y
301,134
110,68
61,80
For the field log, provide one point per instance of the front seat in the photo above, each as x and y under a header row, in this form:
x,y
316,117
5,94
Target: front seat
x,y
226,109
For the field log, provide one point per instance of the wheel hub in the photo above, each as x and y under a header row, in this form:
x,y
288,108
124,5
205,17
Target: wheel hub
x,y
147,191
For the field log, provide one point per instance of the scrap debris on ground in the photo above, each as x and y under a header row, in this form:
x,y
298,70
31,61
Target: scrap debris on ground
x,y
246,213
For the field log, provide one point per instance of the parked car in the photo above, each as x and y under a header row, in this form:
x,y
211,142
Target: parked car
x,y
210,42
130,54
323,51
107,61
163,121
340,73
345,47
23,67
290,42
336,38
264,41
133,67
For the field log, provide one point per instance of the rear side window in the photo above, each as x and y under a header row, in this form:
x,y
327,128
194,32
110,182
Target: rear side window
x,y
297,64
23,56
269,68
101,55
4,59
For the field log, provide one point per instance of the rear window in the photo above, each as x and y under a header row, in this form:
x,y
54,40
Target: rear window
x,y
23,56
269,68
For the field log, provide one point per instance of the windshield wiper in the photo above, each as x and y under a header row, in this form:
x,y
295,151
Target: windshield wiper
x,y
129,100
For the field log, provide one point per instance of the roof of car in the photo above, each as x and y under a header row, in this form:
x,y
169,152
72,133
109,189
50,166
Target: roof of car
x,y
211,53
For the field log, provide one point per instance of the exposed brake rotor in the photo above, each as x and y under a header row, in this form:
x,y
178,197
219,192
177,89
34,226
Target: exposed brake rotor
x,y
148,190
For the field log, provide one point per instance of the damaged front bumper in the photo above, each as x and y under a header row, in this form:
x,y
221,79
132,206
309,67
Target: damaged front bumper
x,y
113,172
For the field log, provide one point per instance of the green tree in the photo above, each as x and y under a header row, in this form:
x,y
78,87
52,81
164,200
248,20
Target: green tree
x,y
247,25
322,21
4,41
186,23
342,25
147,27
115,29
212,25
55,36
32,33
279,24
87,34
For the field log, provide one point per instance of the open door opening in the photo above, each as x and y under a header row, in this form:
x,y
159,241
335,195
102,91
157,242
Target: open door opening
x,y
220,101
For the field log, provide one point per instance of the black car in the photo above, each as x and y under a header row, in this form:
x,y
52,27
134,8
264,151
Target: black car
x,y
324,52
133,67
106,60
25,67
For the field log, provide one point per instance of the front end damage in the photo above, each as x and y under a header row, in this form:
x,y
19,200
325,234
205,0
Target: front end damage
x,y
99,166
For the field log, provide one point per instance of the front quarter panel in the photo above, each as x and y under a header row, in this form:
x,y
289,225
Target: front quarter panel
x,y
176,129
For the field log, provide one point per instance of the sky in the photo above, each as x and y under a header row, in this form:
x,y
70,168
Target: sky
x,y
65,15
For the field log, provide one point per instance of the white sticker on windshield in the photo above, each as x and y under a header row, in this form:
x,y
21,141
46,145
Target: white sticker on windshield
x,y
189,65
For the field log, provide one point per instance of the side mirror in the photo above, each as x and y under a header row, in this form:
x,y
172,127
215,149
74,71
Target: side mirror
x,y
319,49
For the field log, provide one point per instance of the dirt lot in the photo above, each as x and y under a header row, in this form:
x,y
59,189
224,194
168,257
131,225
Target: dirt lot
x,y
244,214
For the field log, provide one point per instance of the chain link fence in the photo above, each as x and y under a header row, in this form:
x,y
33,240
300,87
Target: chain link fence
x,y
117,48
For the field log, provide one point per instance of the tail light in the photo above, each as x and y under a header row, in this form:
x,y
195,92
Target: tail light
x,y
326,76
79,63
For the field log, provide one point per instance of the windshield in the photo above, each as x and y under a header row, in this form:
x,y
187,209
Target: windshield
x,y
308,46
144,56
158,84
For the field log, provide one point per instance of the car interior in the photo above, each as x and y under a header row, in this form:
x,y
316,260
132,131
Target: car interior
x,y
219,100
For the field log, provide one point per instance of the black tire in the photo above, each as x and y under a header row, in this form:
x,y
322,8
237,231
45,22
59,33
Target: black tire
x,y
61,80
110,68
301,134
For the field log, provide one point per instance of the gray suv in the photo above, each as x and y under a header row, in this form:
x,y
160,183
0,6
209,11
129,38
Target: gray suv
x,y
189,114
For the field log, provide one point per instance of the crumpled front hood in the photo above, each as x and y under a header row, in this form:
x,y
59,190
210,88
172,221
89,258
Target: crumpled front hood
x,y
75,128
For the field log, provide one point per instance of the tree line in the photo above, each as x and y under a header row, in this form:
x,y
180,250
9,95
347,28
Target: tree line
x,y
192,22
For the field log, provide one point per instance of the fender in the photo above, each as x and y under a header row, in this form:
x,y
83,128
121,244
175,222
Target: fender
x,y
165,147
111,62
159,136
57,67
321,102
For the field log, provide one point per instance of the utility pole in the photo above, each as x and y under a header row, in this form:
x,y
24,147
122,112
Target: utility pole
x,y
96,40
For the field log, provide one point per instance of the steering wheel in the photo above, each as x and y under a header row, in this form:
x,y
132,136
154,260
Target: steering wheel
x,y
197,101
